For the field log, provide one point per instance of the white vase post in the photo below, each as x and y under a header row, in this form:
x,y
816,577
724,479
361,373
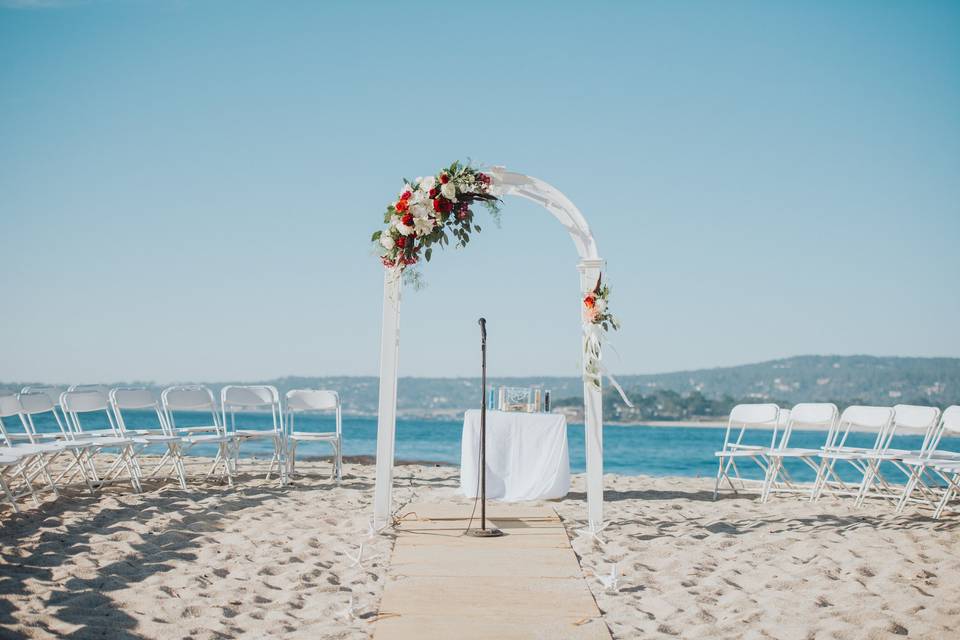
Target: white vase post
x,y
590,270
387,406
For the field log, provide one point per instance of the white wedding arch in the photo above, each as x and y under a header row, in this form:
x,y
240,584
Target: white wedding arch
x,y
505,183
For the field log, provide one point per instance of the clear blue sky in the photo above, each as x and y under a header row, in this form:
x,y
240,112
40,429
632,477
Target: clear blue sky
x,y
187,188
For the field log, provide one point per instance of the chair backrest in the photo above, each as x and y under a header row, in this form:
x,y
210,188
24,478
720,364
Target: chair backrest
x,y
136,398
951,419
916,420
51,392
102,388
810,415
248,396
949,426
241,397
9,408
312,400
85,401
133,398
862,418
744,417
303,400
36,403
189,398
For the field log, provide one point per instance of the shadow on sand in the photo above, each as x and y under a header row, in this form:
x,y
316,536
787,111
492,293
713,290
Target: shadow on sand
x,y
72,520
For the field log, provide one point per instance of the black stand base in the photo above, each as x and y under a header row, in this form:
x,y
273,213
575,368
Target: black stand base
x,y
485,533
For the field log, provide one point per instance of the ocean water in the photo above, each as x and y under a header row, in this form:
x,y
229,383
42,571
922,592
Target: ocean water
x,y
628,450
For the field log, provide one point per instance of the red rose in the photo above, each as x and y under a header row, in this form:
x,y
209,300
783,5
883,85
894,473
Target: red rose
x,y
484,178
406,195
446,206
444,178
589,300
407,219
402,241
401,206
434,192
436,205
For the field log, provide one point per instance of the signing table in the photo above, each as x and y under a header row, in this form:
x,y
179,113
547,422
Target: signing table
x,y
527,457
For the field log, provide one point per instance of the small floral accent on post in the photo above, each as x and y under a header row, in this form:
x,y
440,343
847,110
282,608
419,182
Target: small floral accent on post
x,y
429,211
595,307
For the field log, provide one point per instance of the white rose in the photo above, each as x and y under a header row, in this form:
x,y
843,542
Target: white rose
x,y
423,226
387,241
449,191
421,209
428,183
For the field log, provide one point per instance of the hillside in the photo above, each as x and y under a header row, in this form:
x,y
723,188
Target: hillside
x,y
842,379
876,380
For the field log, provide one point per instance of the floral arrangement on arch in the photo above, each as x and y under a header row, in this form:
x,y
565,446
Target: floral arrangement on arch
x,y
430,210
595,307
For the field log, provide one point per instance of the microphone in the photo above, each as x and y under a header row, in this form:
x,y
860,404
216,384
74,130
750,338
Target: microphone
x,y
483,328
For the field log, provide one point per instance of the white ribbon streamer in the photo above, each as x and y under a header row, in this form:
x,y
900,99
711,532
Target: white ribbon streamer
x,y
594,370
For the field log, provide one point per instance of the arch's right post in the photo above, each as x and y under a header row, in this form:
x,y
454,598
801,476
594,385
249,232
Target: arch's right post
x,y
592,410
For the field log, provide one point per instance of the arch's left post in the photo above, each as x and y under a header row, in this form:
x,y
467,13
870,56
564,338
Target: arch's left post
x,y
387,412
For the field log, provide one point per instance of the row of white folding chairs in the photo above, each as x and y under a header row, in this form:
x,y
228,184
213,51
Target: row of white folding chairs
x,y
935,472
26,455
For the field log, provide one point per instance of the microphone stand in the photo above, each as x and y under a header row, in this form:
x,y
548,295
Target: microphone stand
x,y
483,531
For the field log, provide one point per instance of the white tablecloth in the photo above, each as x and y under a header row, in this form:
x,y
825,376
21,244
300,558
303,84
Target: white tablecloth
x,y
527,456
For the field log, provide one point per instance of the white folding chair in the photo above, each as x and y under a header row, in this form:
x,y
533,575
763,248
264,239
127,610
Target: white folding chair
x,y
807,416
18,464
93,402
922,469
234,398
856,418
39,455
197,398
12,467
38,403
907,419
746,420
314,400
142,399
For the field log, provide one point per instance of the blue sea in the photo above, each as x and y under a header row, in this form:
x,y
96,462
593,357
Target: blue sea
x,y
628,450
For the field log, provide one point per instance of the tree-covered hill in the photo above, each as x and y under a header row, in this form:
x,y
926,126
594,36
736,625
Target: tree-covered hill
x,y
683,394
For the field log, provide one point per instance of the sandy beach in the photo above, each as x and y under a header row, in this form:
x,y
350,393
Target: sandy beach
x,y
258,561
